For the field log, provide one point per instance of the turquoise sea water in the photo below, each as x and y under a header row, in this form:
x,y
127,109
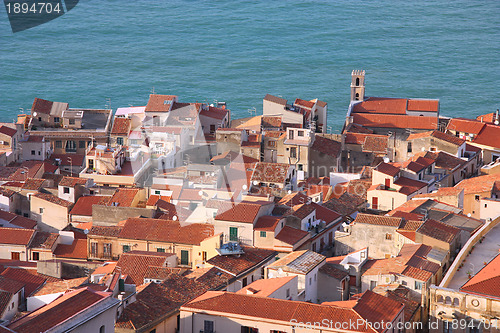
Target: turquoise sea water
x,y
237,51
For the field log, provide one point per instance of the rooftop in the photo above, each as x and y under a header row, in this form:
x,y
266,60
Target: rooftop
x,y
301,262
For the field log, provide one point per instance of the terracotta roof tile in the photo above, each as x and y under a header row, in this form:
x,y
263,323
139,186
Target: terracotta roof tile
x,y
10,285
423,105
8,131
41,105
388,221
478,184
304,104
291,235
489,136
239,264
267,223
123,197
44,240
160,103
105,231
49,316
165,231
75,250
270,172
83,205
333,271
53,199
387,169
326,146
33,184
213,112
271,122
245,212
156,302
465,125
73,181
60,286
417,274
272,309
486,281
381,105
266,287
275,99
136,263
16,236
395,121
121,126
439,230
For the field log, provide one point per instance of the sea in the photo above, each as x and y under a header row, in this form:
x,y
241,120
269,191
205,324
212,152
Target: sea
x,y
112,53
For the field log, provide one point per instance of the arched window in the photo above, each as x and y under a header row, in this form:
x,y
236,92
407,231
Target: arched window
x,y
447,300
439,299
357,81
456,302
102,329
357,96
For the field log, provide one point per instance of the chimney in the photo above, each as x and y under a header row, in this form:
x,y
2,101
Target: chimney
x,y
496,118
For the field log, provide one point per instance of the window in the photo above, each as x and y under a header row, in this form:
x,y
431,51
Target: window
x,y
119,141
71,146
157,192
409,147
107,249
102,329
72,121
126,248
204,255
233,234
93,249
56,120
246,329
39,118
418,285
271,143
160,249
81,144
33,152
58,144
36,256
404,283
310,281
373,284
208,326
477,197
244,282
263,234
388,236
300,133
293,152
290,134
184,257
66,190
41,210
300,167
288,293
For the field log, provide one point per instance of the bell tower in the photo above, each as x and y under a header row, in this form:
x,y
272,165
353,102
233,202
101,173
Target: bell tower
x,y
358,85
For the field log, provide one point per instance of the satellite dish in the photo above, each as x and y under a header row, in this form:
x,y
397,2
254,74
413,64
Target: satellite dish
x,y
289,191
255,182
174,218
200,193
34,114
386,159
244,187
468,215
